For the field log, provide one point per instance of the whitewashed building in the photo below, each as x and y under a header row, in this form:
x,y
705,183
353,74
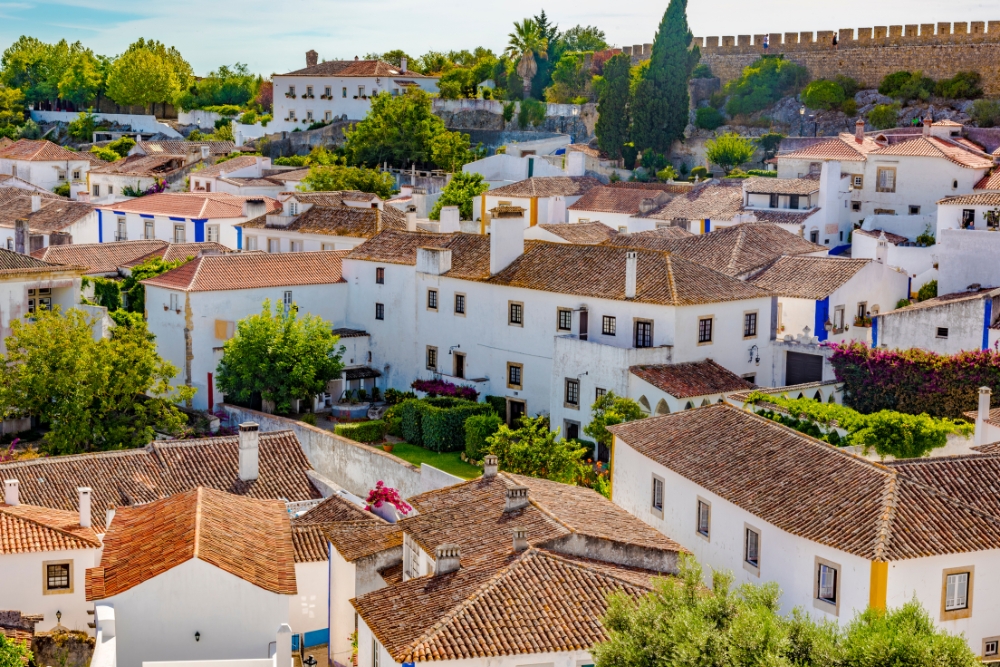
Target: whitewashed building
x,y
662,389
900,252
617,207
51,220
967,246
243,175
545,198
836,532
47,165
134,174
947,324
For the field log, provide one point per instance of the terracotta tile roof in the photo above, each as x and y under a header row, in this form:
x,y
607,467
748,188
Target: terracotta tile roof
x,y
53,216
979,199
679,187
993,418
99,257
229,166
15,188
353,68
781,186
991,448
38,151
968,143
527,603
779,217
618,200
547,186
808,277
940,148
661,238
292,175
894,239
252,182
844,148
171,252
393,247
5,142
968,479
335,509
308,529
338,220
160,469
714,201
947,299
251,539
310,543
184,147
194,205
141,165
583,148
15,263
30,529
252,270
358,539
392,575
583,233
990,181
693,378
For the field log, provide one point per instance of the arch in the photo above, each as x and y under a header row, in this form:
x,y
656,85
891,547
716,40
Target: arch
x,y
644,404
689,405
662,408
801,395
818,396
721,400
705,402
833,398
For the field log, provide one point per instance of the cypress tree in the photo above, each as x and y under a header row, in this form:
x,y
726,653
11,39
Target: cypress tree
x,y
660,107
612,127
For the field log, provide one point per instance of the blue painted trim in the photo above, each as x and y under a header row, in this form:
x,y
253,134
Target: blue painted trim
x,y
822,315
239,238
178,219
874,332
987,319
117,212
100,225
199,231
839,250
708,225
146,215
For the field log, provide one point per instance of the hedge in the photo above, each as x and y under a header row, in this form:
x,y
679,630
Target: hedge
x,y
370,431
438,423
477,429
499,404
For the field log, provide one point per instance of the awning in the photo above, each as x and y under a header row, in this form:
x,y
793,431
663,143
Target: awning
x,y
360,373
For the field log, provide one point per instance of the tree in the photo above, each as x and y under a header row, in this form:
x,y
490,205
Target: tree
x,y
12,110
450,151
903,637
526,44
135,291
336,177
14,653
729,151
571,80
613,124
927,291
141,78
823,94
660,103
769,143
25,66
225,86
533,450
83,79
762,83
608,410
393,57
584,38
461,190
281,356
111,393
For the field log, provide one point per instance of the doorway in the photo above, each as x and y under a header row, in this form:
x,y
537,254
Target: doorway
x,y
459,365
515,410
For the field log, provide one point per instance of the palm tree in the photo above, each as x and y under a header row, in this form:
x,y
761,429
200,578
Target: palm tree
x,y
526,44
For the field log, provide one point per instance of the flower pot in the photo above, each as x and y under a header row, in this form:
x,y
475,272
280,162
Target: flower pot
x,y
387,447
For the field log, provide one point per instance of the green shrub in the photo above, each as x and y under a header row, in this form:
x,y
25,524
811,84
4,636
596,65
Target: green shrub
x,y
927,291
477,429
902,303
122,146
83,126
653,161
985,113
850,86
248,118
438,424
699,172
531,112
884,116
906,86
499,404
309,418
668,173
717,99
701,71
823,94
370,431
926,238
394,396
849,107
224,109
104,153
508,112
763,83
762,172
708,118
63,189
962,86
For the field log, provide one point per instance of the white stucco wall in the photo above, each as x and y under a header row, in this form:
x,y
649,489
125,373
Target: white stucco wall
x,y
964,320
83,230
308,610
309,242
49,174
163,227
965,257
341,614
23,587
913,260
14,297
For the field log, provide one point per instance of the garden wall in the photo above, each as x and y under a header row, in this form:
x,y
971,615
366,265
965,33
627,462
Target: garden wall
x,y
138,123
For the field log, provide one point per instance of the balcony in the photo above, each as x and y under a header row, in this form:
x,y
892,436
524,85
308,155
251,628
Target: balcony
x,y
121,236
571,352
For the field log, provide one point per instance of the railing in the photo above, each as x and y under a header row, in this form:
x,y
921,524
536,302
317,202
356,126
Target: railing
x,y
297,507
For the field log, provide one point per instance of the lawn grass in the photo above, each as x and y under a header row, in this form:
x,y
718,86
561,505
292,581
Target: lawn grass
x,y
449,462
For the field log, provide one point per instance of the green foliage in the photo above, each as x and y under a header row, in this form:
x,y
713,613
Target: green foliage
x,y
729,151
438,423
279,355
394,396
926,237
461,190
823,94
82,127
668,173
902,303
613,120
499,404
451,151
702,71
708,118
531,112
477,429
584,38
849,85
928,290
527,44
763,83
629,155
340,177
234,87
111,393
533,450
985,113
849,107
907,86
12,109
105,153
46,72
762,172
107,292
370,431
508,111
699,172
135,291
14,653
660,100
122,146
63,189
884,116
889,433
609,410
142,77
571,79
652,161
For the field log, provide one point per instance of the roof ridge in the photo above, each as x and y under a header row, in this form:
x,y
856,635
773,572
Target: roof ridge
x,y
671,281
737,248
4,506
546,553
197,523
884,523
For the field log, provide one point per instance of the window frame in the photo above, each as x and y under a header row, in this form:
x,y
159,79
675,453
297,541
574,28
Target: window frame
x,y
656,481
996,647
636,324
821,603
562,313
380,275
459,306
182,228
45,577
856,206
212,233
913,209
379,311
520,376
748,565
454,364
432,299
858,181
958,612
938,334
519,305
711,329
599,392
878,179
609,325
747,314
431,358
571,387
707,535
287,300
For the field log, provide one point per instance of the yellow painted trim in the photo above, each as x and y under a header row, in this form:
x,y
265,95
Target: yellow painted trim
x,y
534,211
482,215
611,464
879,585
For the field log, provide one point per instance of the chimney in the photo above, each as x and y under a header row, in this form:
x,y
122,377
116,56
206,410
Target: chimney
x,y
576,163
249,451
109,516
205,152
21,236
859,130
631,271
254,208
647,204
84,495
881,248
981,416
557,210
36,203
506,240
312,58
283,646
450,219
403,62
520,539
490,466
411,218
447,558
10,493
517,497
927,125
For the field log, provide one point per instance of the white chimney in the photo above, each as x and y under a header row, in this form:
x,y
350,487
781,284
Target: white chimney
x,y
249,451
985,395
283,646
576,163
109,516
403,62
36,203
520,539
557,210
411,218
10,493
205,152
859,130
490,466
447,558
829,192
84,495
506,242
517,497
450,219
631,273
927,125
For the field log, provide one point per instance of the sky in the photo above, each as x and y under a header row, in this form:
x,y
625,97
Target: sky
x,y
273,35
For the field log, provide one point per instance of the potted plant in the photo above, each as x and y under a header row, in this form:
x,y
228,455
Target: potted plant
x,y
384,501
387,447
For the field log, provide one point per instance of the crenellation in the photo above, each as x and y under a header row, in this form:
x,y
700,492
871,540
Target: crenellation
x,y
926,30
647,50
993,27
845,35
961,28
637,50
805,38
743,40
944,29
775,38
791,38
910,30
864,35
881,32
699,42
895,31
824,37
728,41
977,28
712,43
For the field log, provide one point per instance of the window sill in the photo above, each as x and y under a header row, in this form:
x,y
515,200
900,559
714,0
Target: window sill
x,y
752,569
570,406
707,342
956,614
707,538
827,607
658,513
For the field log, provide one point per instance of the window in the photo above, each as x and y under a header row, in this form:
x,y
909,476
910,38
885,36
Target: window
x,y
251,243
573,393
58,577
379,311
380,276
704,517
705,330
855,206
148,228
39,299
309,91
10,243
327,116
886,179
432,299
76,175
914,210
565,320
657,499
608,325
858,181
291,114
814,236
274,245
291,91
623,229
571,429
862,308
286,300
361,91
751,378
343,92
328,91
750,325
751,548
885,211
95,190
309,116
295,246
956,591
515,315
293,208
774,201
180,236
375,652
598,392
122,233
326,246
826,586
793,201
432,358
212,233
175,302
991,647
460,304
514,375
643,333
838,319
968,217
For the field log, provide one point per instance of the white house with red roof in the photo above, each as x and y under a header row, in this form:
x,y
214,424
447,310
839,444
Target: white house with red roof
x,y
47,165
244,175
182,217
324,91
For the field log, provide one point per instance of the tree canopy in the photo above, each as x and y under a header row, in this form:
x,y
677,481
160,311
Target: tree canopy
x,y
608,410
224,86
532,449
527,45
334,177
729,151
613,121
14,653
460,191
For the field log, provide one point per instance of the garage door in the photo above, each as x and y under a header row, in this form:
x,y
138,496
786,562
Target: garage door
x,y
801,368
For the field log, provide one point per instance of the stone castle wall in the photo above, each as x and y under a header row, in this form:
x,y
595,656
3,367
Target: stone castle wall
x,y
939,50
